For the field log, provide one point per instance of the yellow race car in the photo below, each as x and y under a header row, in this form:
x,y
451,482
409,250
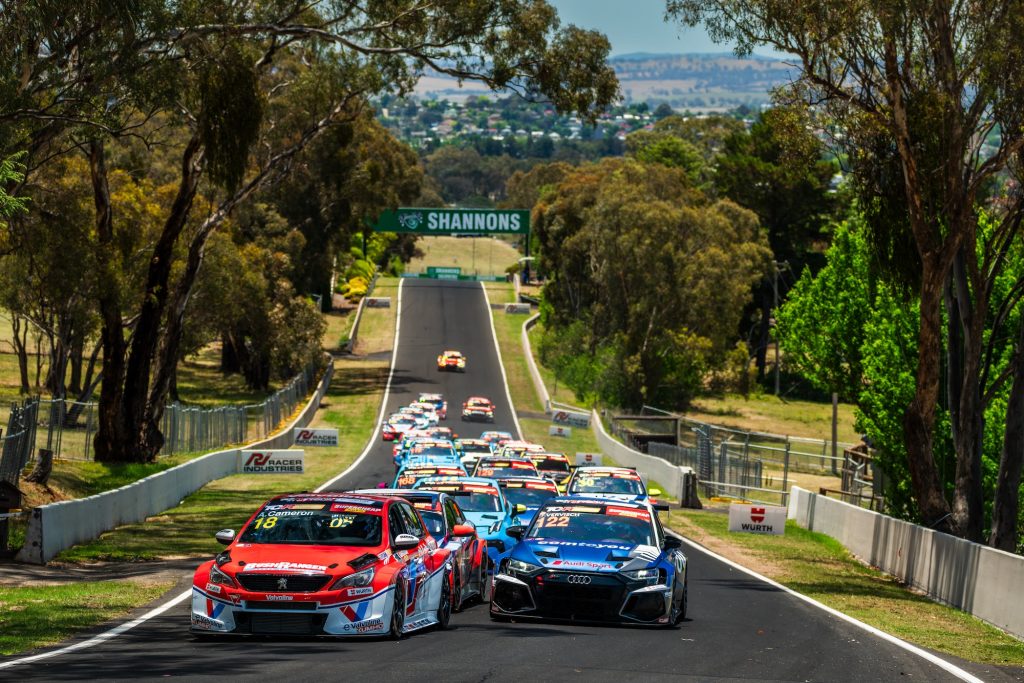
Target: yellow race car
x,y
451,360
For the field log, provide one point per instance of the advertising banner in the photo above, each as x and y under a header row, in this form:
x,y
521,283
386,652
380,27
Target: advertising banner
x,y
569,417
273,462
757,519
588,459
560,431
305,436
458,221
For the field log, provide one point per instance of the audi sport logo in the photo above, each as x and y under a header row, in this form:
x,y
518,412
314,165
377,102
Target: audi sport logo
x,y
578,579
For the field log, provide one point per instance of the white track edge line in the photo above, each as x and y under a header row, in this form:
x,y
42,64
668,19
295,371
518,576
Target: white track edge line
x,y
384,401
157,611
913,649
501,362
105,636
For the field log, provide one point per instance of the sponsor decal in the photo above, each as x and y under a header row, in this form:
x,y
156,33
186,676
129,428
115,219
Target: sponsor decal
x,y
352,592
354,509
582,544
369,625
316,437
558,430
419,623
578,563
570,418
295,506
213,588
757,519
283,598
628,512
273,462
283,567
205,623
589,458
356,612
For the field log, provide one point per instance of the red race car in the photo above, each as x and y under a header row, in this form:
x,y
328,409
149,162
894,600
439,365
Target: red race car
x,y
334,564
451,360
478,408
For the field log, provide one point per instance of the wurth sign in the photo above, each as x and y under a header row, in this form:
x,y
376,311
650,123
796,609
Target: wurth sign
x,y
273,462
757,519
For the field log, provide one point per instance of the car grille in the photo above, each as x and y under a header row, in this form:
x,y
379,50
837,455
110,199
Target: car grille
x,y
280,623
277,605
294,583
601,599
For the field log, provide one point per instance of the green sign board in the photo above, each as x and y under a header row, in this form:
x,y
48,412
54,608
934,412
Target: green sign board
x,y
443,273
460,221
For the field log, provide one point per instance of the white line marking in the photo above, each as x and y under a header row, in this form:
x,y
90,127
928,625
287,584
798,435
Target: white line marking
x,y
913,649
106,635
383,404
501,363
157,611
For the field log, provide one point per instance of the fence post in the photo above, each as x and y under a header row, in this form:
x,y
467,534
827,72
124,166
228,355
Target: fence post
x,y
785,477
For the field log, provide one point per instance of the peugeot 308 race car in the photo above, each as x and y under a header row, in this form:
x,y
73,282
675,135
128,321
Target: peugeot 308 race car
x,y
593,559
326,564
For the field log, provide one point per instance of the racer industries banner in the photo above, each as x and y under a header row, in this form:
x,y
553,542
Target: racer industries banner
x,y
304,436
273,462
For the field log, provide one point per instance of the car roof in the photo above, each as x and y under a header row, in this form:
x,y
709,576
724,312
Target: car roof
x,y
597,500
401,493
331,496
606,468
452,352
505,458
460,480
526,480
478,398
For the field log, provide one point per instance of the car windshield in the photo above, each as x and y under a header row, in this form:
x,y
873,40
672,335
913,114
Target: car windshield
x,y
593,523
551,464
475,448
607,483
504,472
475,501
434,522
530,497
316,524
433,450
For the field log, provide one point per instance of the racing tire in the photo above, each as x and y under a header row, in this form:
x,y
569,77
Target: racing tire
x,y
398,613
679,610
682,609
457,602
444,605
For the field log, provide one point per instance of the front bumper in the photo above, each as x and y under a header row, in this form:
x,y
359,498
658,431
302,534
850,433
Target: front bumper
x,y
325,614
581,596
476,416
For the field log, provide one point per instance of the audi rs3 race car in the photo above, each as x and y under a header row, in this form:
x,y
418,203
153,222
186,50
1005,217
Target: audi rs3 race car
x,y
613,482
554,466
451,360
436,400
497,438
334,564
530,492
427,451
396,425
484,506
593,559
449,527
478,409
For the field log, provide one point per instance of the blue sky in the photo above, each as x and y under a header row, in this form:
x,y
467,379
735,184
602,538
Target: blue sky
x,y
637,26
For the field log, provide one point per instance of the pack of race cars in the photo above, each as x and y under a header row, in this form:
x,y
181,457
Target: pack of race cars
x,y
489,519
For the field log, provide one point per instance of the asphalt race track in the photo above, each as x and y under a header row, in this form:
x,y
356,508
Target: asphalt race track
x,y
738,628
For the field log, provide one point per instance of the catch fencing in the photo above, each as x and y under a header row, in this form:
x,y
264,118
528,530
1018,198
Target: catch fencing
x,y
67,428
730,462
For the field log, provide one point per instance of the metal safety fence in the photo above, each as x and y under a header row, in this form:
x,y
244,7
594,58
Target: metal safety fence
x,y
67,428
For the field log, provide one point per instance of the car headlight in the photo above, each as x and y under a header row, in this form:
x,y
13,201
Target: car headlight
x,y
357,580
219,577
648,576
523,567
495,528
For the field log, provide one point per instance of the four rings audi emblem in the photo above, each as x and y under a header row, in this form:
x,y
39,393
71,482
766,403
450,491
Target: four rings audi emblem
x,y
577,578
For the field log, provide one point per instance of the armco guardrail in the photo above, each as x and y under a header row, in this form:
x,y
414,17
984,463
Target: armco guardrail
x,y
58,526
665,473
538,381
966,575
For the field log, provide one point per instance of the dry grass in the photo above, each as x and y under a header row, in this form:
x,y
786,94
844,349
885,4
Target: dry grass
x,y
377,326
474,255
767,413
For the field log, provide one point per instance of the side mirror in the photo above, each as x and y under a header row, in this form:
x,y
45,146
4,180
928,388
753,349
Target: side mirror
x,y
655,492
671,543
225,536
661,507
405,542
519,508
515,532
462,530
382,485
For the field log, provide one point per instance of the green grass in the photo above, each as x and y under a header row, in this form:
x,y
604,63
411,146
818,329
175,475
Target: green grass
x,y
768,413
377,326
820,567
475,256
339,326
35,617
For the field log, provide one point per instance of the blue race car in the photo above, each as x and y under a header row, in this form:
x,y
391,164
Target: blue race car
x,y
433,451
621,483
414,471
593,559
531,492
483,504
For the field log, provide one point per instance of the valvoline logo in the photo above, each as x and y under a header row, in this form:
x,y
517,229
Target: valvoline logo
x,y
356,612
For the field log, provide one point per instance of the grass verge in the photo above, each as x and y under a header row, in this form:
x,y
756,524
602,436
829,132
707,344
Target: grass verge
x,y
473,255
35,617
818,566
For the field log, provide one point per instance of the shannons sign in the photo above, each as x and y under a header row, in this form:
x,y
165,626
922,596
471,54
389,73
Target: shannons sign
x,y
316,437
273,462
757,519
460,221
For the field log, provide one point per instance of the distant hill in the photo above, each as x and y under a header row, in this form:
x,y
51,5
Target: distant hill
x,y
686,81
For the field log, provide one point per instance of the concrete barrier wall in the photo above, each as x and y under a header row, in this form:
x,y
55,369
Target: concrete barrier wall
x,y
972,577
665,473
58,526
538,382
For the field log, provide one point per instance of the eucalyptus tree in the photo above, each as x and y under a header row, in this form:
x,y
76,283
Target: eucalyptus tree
x,y
917,90
238,90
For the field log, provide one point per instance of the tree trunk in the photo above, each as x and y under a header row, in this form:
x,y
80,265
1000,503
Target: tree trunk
x,y
20,339
229,361
77,361
919,418
1006,505
111,440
